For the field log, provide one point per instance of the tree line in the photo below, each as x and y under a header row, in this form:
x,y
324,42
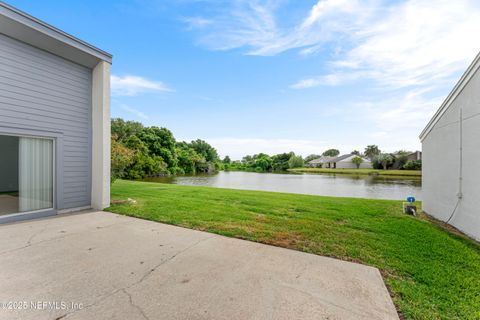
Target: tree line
x,y
262,162
280,162
139,152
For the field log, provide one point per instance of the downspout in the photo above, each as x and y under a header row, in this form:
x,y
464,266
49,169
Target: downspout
x,y
460,172
460,177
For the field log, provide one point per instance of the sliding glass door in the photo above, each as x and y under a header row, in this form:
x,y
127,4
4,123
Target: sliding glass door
x,y
26,174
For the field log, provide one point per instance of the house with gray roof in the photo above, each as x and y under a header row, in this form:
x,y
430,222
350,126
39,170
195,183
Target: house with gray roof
x,y
340,162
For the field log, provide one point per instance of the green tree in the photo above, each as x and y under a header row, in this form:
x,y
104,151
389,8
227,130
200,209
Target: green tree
x,y
160,142
280,161
312,157
413,165
264,162
189,160
385,159
227,160
124,129
371,151
204,149
355,152
357,161
331,153
248,160
134,143
295,162
400,158
146,166
121,158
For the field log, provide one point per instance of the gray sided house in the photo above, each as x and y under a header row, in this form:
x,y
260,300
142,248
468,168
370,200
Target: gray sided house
x,y
451,152
54,120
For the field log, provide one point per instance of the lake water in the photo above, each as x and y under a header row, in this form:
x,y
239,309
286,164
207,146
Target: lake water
x,y
338,185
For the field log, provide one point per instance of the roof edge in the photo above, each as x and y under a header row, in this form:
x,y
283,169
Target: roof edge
x,y
467,75
52,32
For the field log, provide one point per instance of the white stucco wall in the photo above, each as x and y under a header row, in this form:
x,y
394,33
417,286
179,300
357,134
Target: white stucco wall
x,y
441,162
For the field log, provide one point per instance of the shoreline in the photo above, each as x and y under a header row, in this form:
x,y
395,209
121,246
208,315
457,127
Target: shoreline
x,y
371,172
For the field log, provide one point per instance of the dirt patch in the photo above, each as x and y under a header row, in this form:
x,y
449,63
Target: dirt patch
x,y
119,201
446,227
286,240
261,218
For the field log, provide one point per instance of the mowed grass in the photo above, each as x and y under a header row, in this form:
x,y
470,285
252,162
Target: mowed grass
x,y
431,273
408,173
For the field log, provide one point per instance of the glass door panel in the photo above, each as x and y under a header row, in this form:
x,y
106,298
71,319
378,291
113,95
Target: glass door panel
x,y
35,179
26,174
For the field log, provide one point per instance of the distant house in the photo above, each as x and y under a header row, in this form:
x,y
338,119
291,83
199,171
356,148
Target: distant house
x,y
340,162
451,151
319,162
415,156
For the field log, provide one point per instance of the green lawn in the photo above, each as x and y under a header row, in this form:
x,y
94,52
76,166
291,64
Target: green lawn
x,y
432,274
410,173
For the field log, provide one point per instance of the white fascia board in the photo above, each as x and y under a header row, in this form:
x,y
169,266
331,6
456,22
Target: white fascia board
x,y
23,27
474,66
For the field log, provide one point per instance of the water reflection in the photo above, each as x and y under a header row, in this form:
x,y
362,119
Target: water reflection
x,y
339,185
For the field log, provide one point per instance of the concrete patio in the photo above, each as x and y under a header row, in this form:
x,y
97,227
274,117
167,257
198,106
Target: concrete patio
x,y
115,267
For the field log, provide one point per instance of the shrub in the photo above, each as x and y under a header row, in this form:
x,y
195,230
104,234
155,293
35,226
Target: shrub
x,y
121,158
295,162
413,165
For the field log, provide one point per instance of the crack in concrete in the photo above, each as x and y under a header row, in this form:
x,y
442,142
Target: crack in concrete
x,y
30,244
29,241
146,275
134,305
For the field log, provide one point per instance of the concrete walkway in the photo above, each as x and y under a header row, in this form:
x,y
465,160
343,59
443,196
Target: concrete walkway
x,y
104,266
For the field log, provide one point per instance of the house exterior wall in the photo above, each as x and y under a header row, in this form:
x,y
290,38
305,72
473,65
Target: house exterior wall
x,y
42,94
348,164
450,162
417,155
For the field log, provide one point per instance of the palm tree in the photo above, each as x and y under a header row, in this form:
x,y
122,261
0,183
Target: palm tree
x,y
385,159
371,151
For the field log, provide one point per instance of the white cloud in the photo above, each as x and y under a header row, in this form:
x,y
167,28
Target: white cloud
x,y
403,44
406,54
196,22
409,44
134,85
394,122
326,80
307,83
254,25
134,111
414,43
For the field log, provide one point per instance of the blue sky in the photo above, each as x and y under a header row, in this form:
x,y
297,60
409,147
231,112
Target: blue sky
x,y
276,75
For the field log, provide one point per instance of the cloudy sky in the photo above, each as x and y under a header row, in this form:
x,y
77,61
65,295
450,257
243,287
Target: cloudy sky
x,y
277,75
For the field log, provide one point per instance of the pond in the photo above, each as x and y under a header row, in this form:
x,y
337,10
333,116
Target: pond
x,y
337,185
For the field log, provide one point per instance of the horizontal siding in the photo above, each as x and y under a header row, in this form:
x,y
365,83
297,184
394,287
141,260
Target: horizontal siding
x,y
41,91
